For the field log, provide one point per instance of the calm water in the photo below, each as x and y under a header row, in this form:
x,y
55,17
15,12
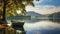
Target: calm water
x,y
42,27
37,26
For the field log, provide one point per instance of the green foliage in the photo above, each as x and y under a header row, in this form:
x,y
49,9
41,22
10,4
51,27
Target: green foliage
x,y
13,5
16,4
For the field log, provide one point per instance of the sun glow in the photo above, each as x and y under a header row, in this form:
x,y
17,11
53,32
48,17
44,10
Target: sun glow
x,y
18,11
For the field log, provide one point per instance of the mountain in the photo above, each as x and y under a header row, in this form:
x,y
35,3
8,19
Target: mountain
x,y
32,13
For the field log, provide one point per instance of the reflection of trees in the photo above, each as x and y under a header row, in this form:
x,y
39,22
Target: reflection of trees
x,y
55,17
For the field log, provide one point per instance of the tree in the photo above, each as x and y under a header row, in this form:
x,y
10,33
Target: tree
x,y
55,17
10,7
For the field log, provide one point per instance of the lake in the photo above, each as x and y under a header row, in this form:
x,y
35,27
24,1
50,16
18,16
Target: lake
x,y
41,26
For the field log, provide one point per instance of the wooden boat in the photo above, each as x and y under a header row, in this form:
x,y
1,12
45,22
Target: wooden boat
x,y
17,25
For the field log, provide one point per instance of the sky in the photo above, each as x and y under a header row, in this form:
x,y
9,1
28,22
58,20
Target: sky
x,y
48,2
45,6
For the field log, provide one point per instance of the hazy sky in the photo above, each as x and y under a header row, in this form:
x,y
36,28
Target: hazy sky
x,y
45,6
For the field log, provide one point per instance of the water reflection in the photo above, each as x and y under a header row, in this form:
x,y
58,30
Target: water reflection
x,y
55,20
43,27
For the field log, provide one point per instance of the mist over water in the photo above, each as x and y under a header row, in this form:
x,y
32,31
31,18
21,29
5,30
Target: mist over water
x,y
42,27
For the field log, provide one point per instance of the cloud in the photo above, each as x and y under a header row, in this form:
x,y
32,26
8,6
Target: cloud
x,y
29,8
47,9
41,25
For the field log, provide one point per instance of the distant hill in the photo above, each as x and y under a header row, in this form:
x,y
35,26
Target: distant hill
x,y
32,13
